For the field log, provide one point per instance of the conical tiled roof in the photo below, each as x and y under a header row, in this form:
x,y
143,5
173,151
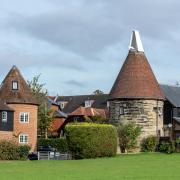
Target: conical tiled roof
x,y
22,94
136,79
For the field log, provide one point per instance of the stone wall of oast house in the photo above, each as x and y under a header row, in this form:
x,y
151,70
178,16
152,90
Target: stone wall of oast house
x,y
141,112
29,128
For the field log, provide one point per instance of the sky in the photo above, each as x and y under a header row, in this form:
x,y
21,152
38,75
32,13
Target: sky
x,y
79,46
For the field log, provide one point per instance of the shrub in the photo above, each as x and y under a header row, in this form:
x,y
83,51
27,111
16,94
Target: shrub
x,y
177,145
24,151
149,144
58,143
167,147
128,134
90,140
9,150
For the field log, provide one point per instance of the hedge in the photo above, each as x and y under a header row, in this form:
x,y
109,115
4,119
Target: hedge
x,y
58,143
10,150
90,140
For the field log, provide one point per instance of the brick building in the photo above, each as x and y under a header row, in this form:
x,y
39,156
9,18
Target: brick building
x,y
59,117
18,110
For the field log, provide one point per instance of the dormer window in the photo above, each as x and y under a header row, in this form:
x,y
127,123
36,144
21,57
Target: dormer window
x,y
14,85
88,103
62,104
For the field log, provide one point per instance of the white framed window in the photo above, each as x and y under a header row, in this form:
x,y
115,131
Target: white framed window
x,y
24,117
14,85
88,103
108,104
121,110
23,138
62,105
4,116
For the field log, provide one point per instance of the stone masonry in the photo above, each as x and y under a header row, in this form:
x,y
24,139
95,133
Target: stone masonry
x,y
145,113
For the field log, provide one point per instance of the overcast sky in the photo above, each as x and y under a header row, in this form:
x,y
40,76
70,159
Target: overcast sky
x,y
79,46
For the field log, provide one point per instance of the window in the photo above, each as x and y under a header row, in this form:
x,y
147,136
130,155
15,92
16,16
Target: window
x,y
88,103
108,104
24,117
158,110
14,85
119,110
4,116
61,105
23,138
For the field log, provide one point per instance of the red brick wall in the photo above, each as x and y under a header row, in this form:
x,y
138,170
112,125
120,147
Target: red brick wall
x,y
29,128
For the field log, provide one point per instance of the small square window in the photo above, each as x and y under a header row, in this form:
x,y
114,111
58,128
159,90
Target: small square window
x,y
14,85
23,138
4,116
24,117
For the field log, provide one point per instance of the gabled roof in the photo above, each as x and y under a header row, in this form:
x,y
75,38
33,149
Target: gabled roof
x,y
21,96
73,102
136,79
172,94
82,111
60,114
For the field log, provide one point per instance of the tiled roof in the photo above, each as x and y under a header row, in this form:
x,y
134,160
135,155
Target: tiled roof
x,y
56,124
60,114
172,94
136,79
22,95
100,101
5,107
82,111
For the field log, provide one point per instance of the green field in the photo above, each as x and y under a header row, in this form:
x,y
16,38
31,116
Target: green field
x,y
137,166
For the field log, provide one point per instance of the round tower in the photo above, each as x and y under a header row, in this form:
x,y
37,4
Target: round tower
x,y
136,95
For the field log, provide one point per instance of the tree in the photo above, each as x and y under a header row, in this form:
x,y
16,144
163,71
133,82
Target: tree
x,y
45,114
98,92
38,89
128,134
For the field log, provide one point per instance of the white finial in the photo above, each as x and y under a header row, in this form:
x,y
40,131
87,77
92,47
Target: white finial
x,y
135,43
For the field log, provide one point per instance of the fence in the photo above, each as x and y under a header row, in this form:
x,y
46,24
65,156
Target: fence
x,y
54,155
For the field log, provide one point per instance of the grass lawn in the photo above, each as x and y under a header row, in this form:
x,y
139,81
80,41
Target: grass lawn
x,y
136,166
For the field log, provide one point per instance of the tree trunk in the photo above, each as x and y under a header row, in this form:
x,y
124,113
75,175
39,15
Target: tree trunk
x,y
46,133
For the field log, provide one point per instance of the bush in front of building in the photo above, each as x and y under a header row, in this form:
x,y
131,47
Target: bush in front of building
x,y
177,145
128,134
149,144
60,144
24,151
90,140
166,147
10,150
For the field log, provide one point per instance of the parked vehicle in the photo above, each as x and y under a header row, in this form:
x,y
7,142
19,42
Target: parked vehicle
x,y
33,156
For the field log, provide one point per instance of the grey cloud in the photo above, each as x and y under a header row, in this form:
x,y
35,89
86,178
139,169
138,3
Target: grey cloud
x,y
87,27
75,83
45,60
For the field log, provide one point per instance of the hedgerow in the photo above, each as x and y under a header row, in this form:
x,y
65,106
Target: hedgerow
x,y
90,140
